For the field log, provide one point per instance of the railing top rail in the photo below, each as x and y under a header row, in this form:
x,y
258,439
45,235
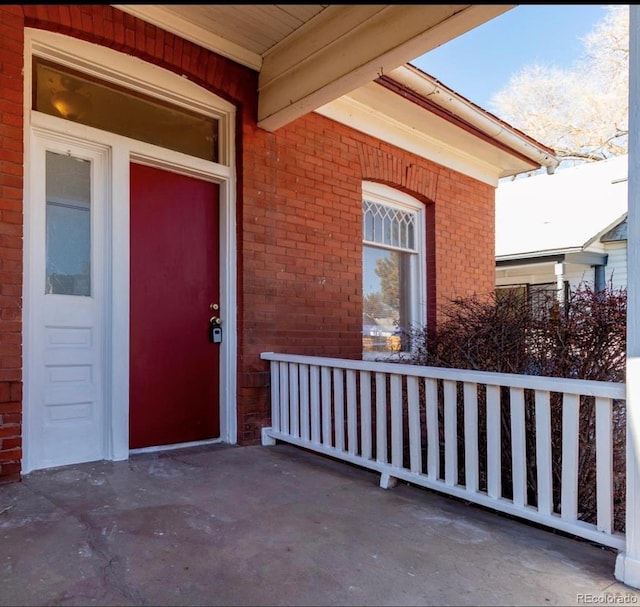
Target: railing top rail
x,y
586,387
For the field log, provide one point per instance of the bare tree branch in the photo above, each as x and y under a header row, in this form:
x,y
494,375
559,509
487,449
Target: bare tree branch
x,y
582,112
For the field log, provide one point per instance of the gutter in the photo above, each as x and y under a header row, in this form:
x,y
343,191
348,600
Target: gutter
x,y
433,91
575,255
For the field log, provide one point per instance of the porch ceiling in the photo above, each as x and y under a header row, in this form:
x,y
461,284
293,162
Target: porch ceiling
x,y
310,55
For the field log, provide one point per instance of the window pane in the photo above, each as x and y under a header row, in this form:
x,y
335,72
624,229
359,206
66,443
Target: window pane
x,y
386,235
68,225
385,299
377,229
59,91
411,233
368,226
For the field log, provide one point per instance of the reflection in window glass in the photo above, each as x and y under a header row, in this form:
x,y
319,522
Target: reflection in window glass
x,y
386,298
68,225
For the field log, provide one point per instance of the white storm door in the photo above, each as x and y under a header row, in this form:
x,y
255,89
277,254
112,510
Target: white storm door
x,y
67,257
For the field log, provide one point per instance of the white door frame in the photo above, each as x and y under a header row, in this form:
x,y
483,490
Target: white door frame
x,y
152,80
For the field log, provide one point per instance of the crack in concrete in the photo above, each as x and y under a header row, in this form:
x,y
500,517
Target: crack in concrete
x,y
112,574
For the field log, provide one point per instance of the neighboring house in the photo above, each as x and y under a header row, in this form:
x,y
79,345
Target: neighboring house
x,y
554,232
185,187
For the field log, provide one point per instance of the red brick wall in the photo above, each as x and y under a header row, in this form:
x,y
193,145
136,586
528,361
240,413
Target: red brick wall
x,y
299,215
301,278
11,159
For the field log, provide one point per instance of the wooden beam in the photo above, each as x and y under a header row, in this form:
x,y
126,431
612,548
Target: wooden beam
x,y
347,46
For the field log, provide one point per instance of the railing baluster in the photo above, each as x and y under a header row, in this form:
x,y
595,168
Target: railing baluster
x,y
415,443
325,373
570,433
396,420
284,398
543,451
365,414
314,394
471,436
604,464
381,418
494,472
450,433
338,401
275,395
352,419
294,399
433,431
304,402
518,447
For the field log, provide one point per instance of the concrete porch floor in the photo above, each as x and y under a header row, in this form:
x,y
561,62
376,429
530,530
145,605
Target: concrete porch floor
x,y
223,525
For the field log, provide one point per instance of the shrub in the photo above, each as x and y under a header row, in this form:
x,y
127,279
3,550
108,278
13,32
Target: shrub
x,y
583,337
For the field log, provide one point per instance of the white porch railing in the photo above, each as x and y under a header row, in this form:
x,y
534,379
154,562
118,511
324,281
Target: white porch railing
x,y
518,444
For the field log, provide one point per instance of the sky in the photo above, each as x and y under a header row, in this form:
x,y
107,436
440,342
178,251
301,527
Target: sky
x,y
481,62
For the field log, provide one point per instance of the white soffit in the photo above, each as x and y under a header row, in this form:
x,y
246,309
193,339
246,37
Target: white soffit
x,y
240,32
385,115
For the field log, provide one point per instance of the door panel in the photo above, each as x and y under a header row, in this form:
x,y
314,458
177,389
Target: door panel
x,y
174,368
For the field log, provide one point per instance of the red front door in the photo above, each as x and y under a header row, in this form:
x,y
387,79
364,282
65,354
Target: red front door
x,y
174,367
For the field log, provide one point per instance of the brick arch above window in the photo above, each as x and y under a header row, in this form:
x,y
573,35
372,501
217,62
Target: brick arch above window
x,y
382,166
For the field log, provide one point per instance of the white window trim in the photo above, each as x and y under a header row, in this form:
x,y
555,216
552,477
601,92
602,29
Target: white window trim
x,y
388,196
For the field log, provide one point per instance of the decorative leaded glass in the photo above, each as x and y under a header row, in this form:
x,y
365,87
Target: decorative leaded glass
x,y
385,225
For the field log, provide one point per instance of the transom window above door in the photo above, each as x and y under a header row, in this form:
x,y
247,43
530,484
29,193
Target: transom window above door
x,y
69,94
